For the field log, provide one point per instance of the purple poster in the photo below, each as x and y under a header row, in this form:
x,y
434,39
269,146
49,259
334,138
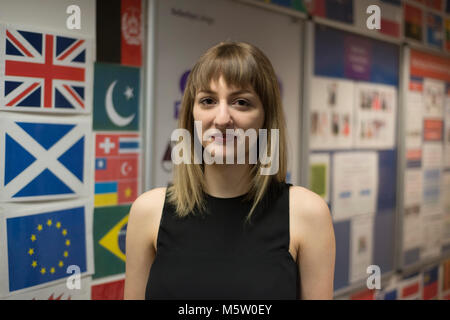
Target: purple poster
x,y
358,59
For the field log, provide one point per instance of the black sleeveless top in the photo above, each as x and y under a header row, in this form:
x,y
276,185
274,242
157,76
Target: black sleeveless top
x,y
217,256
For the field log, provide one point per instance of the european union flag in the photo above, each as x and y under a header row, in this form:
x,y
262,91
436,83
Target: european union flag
x,y
42,246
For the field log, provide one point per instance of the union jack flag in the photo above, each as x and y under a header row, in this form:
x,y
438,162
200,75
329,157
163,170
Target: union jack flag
x,y
44,72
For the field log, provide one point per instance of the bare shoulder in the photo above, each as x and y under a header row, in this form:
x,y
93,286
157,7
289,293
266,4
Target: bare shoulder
x,y
307,204
309,214
145,213
149,202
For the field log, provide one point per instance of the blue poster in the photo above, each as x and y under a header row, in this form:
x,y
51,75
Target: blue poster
x,y
435,33
42,246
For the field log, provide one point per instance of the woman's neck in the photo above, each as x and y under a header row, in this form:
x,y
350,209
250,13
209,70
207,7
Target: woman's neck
x,y
227,180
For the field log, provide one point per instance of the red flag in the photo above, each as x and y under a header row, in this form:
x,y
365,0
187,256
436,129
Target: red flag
x,y
131,35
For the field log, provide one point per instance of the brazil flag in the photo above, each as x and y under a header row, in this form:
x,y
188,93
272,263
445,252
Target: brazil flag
x,y
110,225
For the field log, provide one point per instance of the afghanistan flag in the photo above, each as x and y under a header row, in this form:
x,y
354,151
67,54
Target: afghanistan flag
x,y
119,32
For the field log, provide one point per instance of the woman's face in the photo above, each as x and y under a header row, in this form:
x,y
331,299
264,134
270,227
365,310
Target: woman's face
x,y
224,107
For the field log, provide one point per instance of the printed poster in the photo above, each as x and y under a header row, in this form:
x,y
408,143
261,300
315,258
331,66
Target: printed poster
x,y
375,116
319,174
40,241
431,233
434,98
361,247
117,168
44,158
447,129
430,283
44,72
108,289
292,4
355,184
110,226
413,22
413,123
446,210
116,98
410,287
331,114
412,204
119,32
339,10
435,36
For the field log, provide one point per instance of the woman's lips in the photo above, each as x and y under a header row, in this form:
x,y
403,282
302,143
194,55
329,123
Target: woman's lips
x,y
224,138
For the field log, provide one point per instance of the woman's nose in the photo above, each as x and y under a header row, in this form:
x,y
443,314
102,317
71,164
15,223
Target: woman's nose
x,y
223,116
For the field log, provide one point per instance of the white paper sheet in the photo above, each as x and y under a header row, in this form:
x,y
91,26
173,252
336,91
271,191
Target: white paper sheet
x,y
355,184
434,95
375,114
361,246
431,233
331,113
413,121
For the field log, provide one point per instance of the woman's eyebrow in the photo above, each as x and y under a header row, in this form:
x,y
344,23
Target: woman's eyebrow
x,y
234,93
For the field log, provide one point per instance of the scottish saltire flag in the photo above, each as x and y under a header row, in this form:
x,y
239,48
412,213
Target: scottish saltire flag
x,y
44,72
43,158
41,245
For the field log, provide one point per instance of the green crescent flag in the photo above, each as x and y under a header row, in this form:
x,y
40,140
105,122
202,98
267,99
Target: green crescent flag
x,y
116,98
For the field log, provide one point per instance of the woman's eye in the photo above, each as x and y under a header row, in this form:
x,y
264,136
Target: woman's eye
x,y
207,101
242,102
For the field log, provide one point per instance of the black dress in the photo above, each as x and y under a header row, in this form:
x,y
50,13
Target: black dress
x,y
217,256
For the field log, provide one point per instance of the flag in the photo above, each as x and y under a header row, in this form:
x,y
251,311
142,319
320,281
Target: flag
x,y
363,295
116,168
409,287
292,4
391,18
43,158
44,72
112,290
116,98
339,10
430,283
110,224
413,22
434,30
114,240
119,32
41,246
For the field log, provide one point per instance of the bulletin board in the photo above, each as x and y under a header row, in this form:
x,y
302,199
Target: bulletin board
x,y
425,218
352,112
183,22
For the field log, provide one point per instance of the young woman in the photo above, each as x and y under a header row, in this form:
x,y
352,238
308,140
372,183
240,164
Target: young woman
x,y
225,230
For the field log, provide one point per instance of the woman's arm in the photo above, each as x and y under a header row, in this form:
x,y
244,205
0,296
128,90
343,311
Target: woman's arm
x,y
317,246
142,228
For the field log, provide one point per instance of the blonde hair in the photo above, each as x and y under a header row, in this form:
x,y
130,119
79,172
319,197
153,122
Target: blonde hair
x,y
241,65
